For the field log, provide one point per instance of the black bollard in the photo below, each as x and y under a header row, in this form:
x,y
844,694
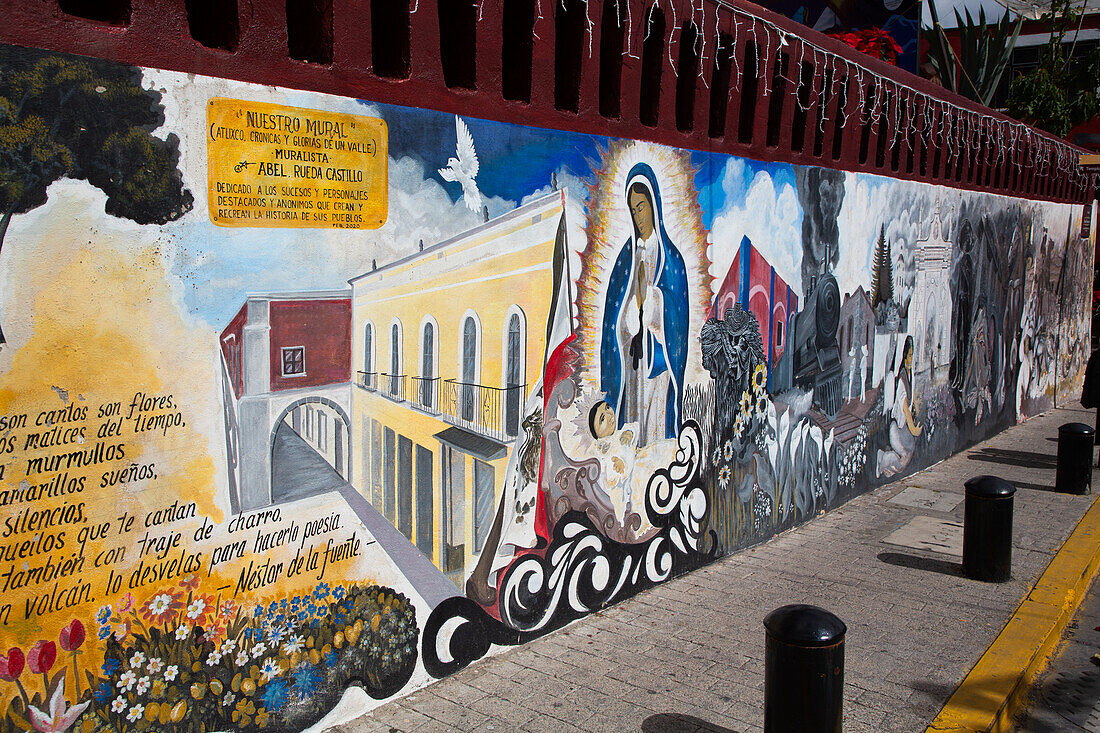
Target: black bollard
x,y
987,529
1074,475
803,670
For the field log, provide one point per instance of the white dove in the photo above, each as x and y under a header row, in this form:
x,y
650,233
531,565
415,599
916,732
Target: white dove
x,y
464,168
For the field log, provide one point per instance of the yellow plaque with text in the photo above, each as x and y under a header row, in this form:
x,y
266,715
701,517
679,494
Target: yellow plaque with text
x,y
275,166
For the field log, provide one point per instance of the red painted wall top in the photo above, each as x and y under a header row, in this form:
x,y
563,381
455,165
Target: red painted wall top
x,y
915,131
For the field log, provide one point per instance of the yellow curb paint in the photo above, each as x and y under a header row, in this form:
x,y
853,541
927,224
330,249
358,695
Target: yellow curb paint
x,y
991,693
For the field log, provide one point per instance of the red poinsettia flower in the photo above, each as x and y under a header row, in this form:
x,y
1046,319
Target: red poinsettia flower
x,y
42,656
11,666
72,636
873,42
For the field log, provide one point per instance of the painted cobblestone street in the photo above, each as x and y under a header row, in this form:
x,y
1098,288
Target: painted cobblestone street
x,y
689,655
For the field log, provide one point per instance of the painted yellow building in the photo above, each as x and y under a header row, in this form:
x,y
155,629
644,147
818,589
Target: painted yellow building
x,y
446,345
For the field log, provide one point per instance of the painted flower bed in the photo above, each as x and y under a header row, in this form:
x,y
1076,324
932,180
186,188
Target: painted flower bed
x,y
183,661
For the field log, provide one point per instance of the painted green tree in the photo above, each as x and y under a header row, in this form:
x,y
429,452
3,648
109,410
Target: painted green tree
x,y
882,268
69,117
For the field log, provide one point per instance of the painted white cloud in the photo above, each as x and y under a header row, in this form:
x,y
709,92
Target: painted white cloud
x,y
770,218
577,187
871,202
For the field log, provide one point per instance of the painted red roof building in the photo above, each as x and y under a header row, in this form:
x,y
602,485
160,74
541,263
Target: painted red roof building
x,y
754,283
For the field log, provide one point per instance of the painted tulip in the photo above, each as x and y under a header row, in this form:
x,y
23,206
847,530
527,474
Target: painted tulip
x,y
42,656
72,636
11,666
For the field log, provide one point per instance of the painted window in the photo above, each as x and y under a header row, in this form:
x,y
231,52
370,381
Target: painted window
x,y
368,349
395,359
513,374
294,361
427,365
469,367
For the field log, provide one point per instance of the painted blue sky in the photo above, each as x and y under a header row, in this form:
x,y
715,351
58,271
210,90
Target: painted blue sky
x,y
715,197
514,160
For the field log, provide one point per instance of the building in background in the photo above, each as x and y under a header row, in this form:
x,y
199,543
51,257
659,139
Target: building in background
x,y
286,368
444,359
753,282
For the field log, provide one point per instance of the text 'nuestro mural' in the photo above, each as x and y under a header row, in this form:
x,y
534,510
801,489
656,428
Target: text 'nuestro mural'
x,y
277,166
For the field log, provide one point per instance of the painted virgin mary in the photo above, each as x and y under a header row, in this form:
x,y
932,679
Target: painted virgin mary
x,y
643,349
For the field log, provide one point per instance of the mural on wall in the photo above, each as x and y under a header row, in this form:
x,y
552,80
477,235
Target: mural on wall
x,y
306,401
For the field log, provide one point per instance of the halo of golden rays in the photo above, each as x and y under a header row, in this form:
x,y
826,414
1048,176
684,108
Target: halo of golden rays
x,y
609,226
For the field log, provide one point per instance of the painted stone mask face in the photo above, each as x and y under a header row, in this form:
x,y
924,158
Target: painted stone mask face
x,y
641,211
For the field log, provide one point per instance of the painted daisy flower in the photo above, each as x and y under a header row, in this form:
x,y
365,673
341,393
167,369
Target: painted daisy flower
x,y
727,450
258,650
295,644
118,704
227,701
242,658
171,672
161,605
137,660
270,669
143,685
214,659
228,646
127,680
183,631
135,713
154,666
196,609
723,477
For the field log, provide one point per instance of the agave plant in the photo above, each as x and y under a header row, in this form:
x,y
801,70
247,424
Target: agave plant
x,y
984,51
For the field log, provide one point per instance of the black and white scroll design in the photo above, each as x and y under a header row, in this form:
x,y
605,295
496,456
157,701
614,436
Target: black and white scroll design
x,y
582,570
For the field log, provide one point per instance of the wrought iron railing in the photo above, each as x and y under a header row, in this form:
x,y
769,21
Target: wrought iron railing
x,y
367,380
490,411
393,385
426,392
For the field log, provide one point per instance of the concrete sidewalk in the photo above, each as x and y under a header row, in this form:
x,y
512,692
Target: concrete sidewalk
x,y
689,654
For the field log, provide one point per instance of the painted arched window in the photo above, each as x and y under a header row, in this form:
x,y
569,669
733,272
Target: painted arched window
x,y
470,359
514,350
395,359
427,365
368,355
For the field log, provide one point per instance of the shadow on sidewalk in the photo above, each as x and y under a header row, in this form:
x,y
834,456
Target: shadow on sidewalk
x,y
1026,459
680,723
916,562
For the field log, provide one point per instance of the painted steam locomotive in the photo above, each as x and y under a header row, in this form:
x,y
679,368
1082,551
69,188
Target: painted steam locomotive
x,y
812,358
